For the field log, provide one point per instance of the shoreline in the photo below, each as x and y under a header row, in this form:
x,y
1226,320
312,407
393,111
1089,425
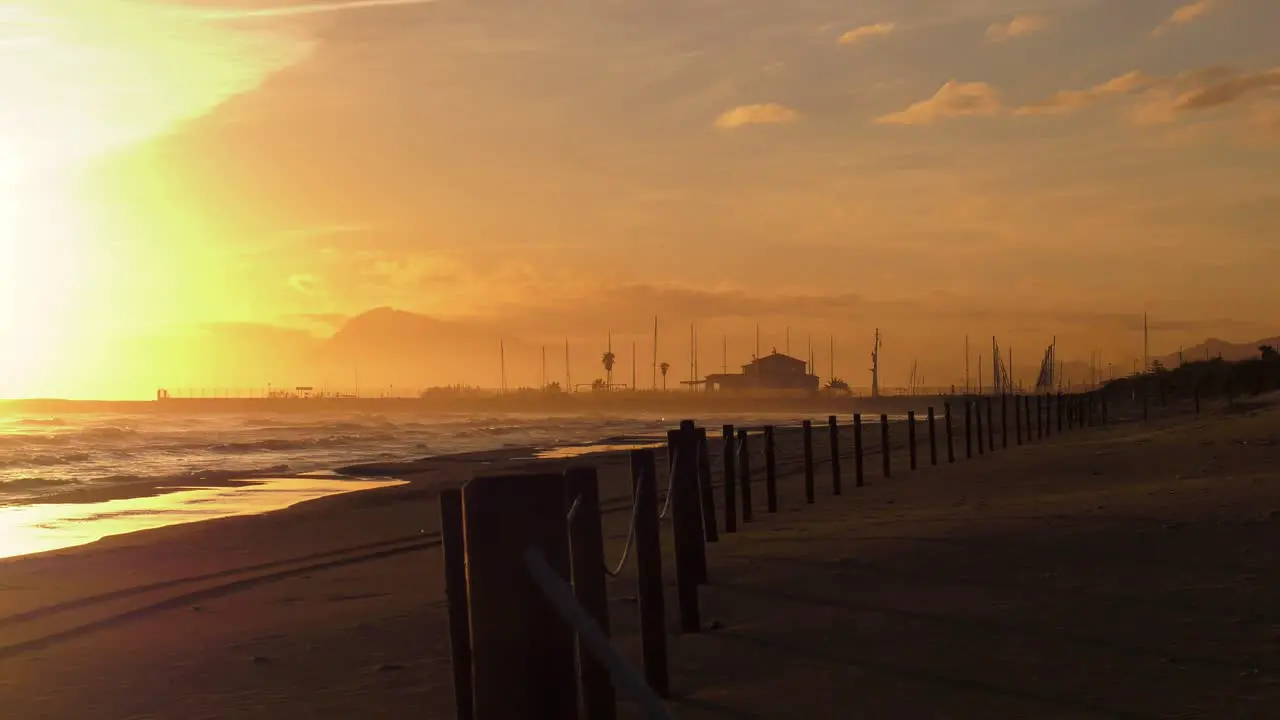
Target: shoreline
x,y
335,607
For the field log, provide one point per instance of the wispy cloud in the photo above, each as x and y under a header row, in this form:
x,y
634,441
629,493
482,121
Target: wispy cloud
x,y
955,99
1069,101
1185,15
1017,27
867,31
308,9
759,114
1229,90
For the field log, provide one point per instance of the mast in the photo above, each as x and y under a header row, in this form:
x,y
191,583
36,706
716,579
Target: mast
x,y
875,366
1009,370
544,367
966,364
1146,347
833,357
633,365
655,352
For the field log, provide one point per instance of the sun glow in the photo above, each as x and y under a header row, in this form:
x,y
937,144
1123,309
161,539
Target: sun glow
x,y
79,81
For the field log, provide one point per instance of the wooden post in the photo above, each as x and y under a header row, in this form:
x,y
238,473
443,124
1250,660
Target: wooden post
x,y
1102,398
1059,412
586,548
1196,393
1039,417
770,471
455,592
859,480
1048,414
808,462
1026,401
744,476
653,632
968,428
833,430
1017,418
1160,388
933,439
977,410
991,426
911,437
706,494
729,460
1004,420
522,652
885,453
686,526
951,446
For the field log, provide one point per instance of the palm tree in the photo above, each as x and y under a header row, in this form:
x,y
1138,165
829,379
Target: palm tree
x,y
608,358
836,385
664,367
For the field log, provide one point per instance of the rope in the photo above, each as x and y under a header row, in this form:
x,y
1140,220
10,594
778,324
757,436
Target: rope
x,y
573,509
671,478
561,597
631,532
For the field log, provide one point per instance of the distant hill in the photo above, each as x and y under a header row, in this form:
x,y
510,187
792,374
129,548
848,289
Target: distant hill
x,y
1213,347
389,347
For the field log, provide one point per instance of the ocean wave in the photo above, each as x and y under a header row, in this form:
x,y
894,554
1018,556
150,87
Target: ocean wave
x,y
43,422
285,444
32,461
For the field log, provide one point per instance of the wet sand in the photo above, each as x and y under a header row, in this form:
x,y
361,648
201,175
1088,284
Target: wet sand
x,y
1114,572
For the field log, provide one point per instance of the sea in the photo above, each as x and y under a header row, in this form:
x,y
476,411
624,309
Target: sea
x,y
44,456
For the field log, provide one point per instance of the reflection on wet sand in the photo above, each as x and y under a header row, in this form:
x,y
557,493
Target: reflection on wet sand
x,y
569,452
27,529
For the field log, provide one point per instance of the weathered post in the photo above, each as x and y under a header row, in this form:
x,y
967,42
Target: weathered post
x,y
455,592
1026,401
653,633
1048,414
770,471
1196,392
933,438
1142,383
833,430
911,437
1102,398
968,429
522,653
991,426
858,478
1160,388
686,522
1059,412
1039,417
586,550
729,458
706,493
1017,417
885,453
1004,420
977,411
808,463
951,446
744,475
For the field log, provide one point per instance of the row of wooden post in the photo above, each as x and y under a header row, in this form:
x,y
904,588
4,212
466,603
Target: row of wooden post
x,y
514,656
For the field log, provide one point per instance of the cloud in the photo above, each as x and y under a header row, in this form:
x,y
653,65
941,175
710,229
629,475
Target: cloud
x,y
955,99
1069,101
867,31
1017,27
1229,90
1185,15
759,114
309,9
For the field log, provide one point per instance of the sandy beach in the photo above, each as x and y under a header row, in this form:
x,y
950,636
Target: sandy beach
x,y
1108,572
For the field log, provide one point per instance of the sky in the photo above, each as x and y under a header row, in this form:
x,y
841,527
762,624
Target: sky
x,y
180,178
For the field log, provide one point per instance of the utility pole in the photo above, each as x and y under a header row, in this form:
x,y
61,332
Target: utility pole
x,y
875,366
633,366
724,360
502,363
833,357
979,373
1146,346
788,345
655,352
544,367
966,364
568,379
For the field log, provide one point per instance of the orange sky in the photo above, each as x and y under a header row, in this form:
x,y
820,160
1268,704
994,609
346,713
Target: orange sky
x,y
180,175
